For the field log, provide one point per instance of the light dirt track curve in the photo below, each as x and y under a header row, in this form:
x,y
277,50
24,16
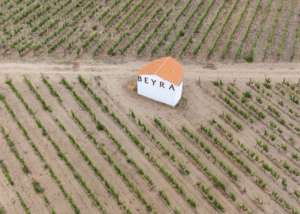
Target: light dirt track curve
x,y
242,71
75,138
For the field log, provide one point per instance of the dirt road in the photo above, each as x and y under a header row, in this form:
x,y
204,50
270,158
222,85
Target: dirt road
x,y
290,71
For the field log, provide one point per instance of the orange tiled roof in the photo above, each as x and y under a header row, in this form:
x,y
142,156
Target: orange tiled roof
x,y
166,68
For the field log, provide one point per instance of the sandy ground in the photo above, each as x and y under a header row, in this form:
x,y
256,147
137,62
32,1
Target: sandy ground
x,y
113,83
241,71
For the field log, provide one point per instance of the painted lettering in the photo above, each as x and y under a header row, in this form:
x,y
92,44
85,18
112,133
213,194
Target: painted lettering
x,y
146,80
153,81
172,87
161,84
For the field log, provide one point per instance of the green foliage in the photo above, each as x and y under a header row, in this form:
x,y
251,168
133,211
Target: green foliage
x,y
37,187
118,170
232,91
236,125
14,150
2,210
23,204
249,57
216,181
259,100
218,83
134,139
247,94
235,107
284,183
51,89
163,195
90,163
6,173
284,203
232,196
291,170
212,200
59,152
294,99
262,145
261,183
37,95
179,165
2,97
36,151
268,168
295,156
267,83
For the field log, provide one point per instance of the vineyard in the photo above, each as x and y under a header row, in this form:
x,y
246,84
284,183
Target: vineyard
x,y
216,30
74,142
76,138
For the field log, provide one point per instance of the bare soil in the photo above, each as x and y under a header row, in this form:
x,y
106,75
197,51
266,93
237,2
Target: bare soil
x,y
114,83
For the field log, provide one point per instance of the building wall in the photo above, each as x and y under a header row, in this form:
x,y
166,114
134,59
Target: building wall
x,y
153,87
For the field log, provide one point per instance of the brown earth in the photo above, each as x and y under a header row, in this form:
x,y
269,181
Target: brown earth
x,y
113,83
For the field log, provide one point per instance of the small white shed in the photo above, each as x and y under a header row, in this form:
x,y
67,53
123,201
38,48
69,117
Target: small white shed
x,y
161,80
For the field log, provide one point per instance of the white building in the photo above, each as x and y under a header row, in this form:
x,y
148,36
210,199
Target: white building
x,y
161,80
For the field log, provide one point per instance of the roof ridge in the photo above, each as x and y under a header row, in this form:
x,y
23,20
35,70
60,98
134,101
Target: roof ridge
x,y
161,66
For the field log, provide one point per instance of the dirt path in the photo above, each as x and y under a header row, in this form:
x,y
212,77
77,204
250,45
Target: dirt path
x,y
204,72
